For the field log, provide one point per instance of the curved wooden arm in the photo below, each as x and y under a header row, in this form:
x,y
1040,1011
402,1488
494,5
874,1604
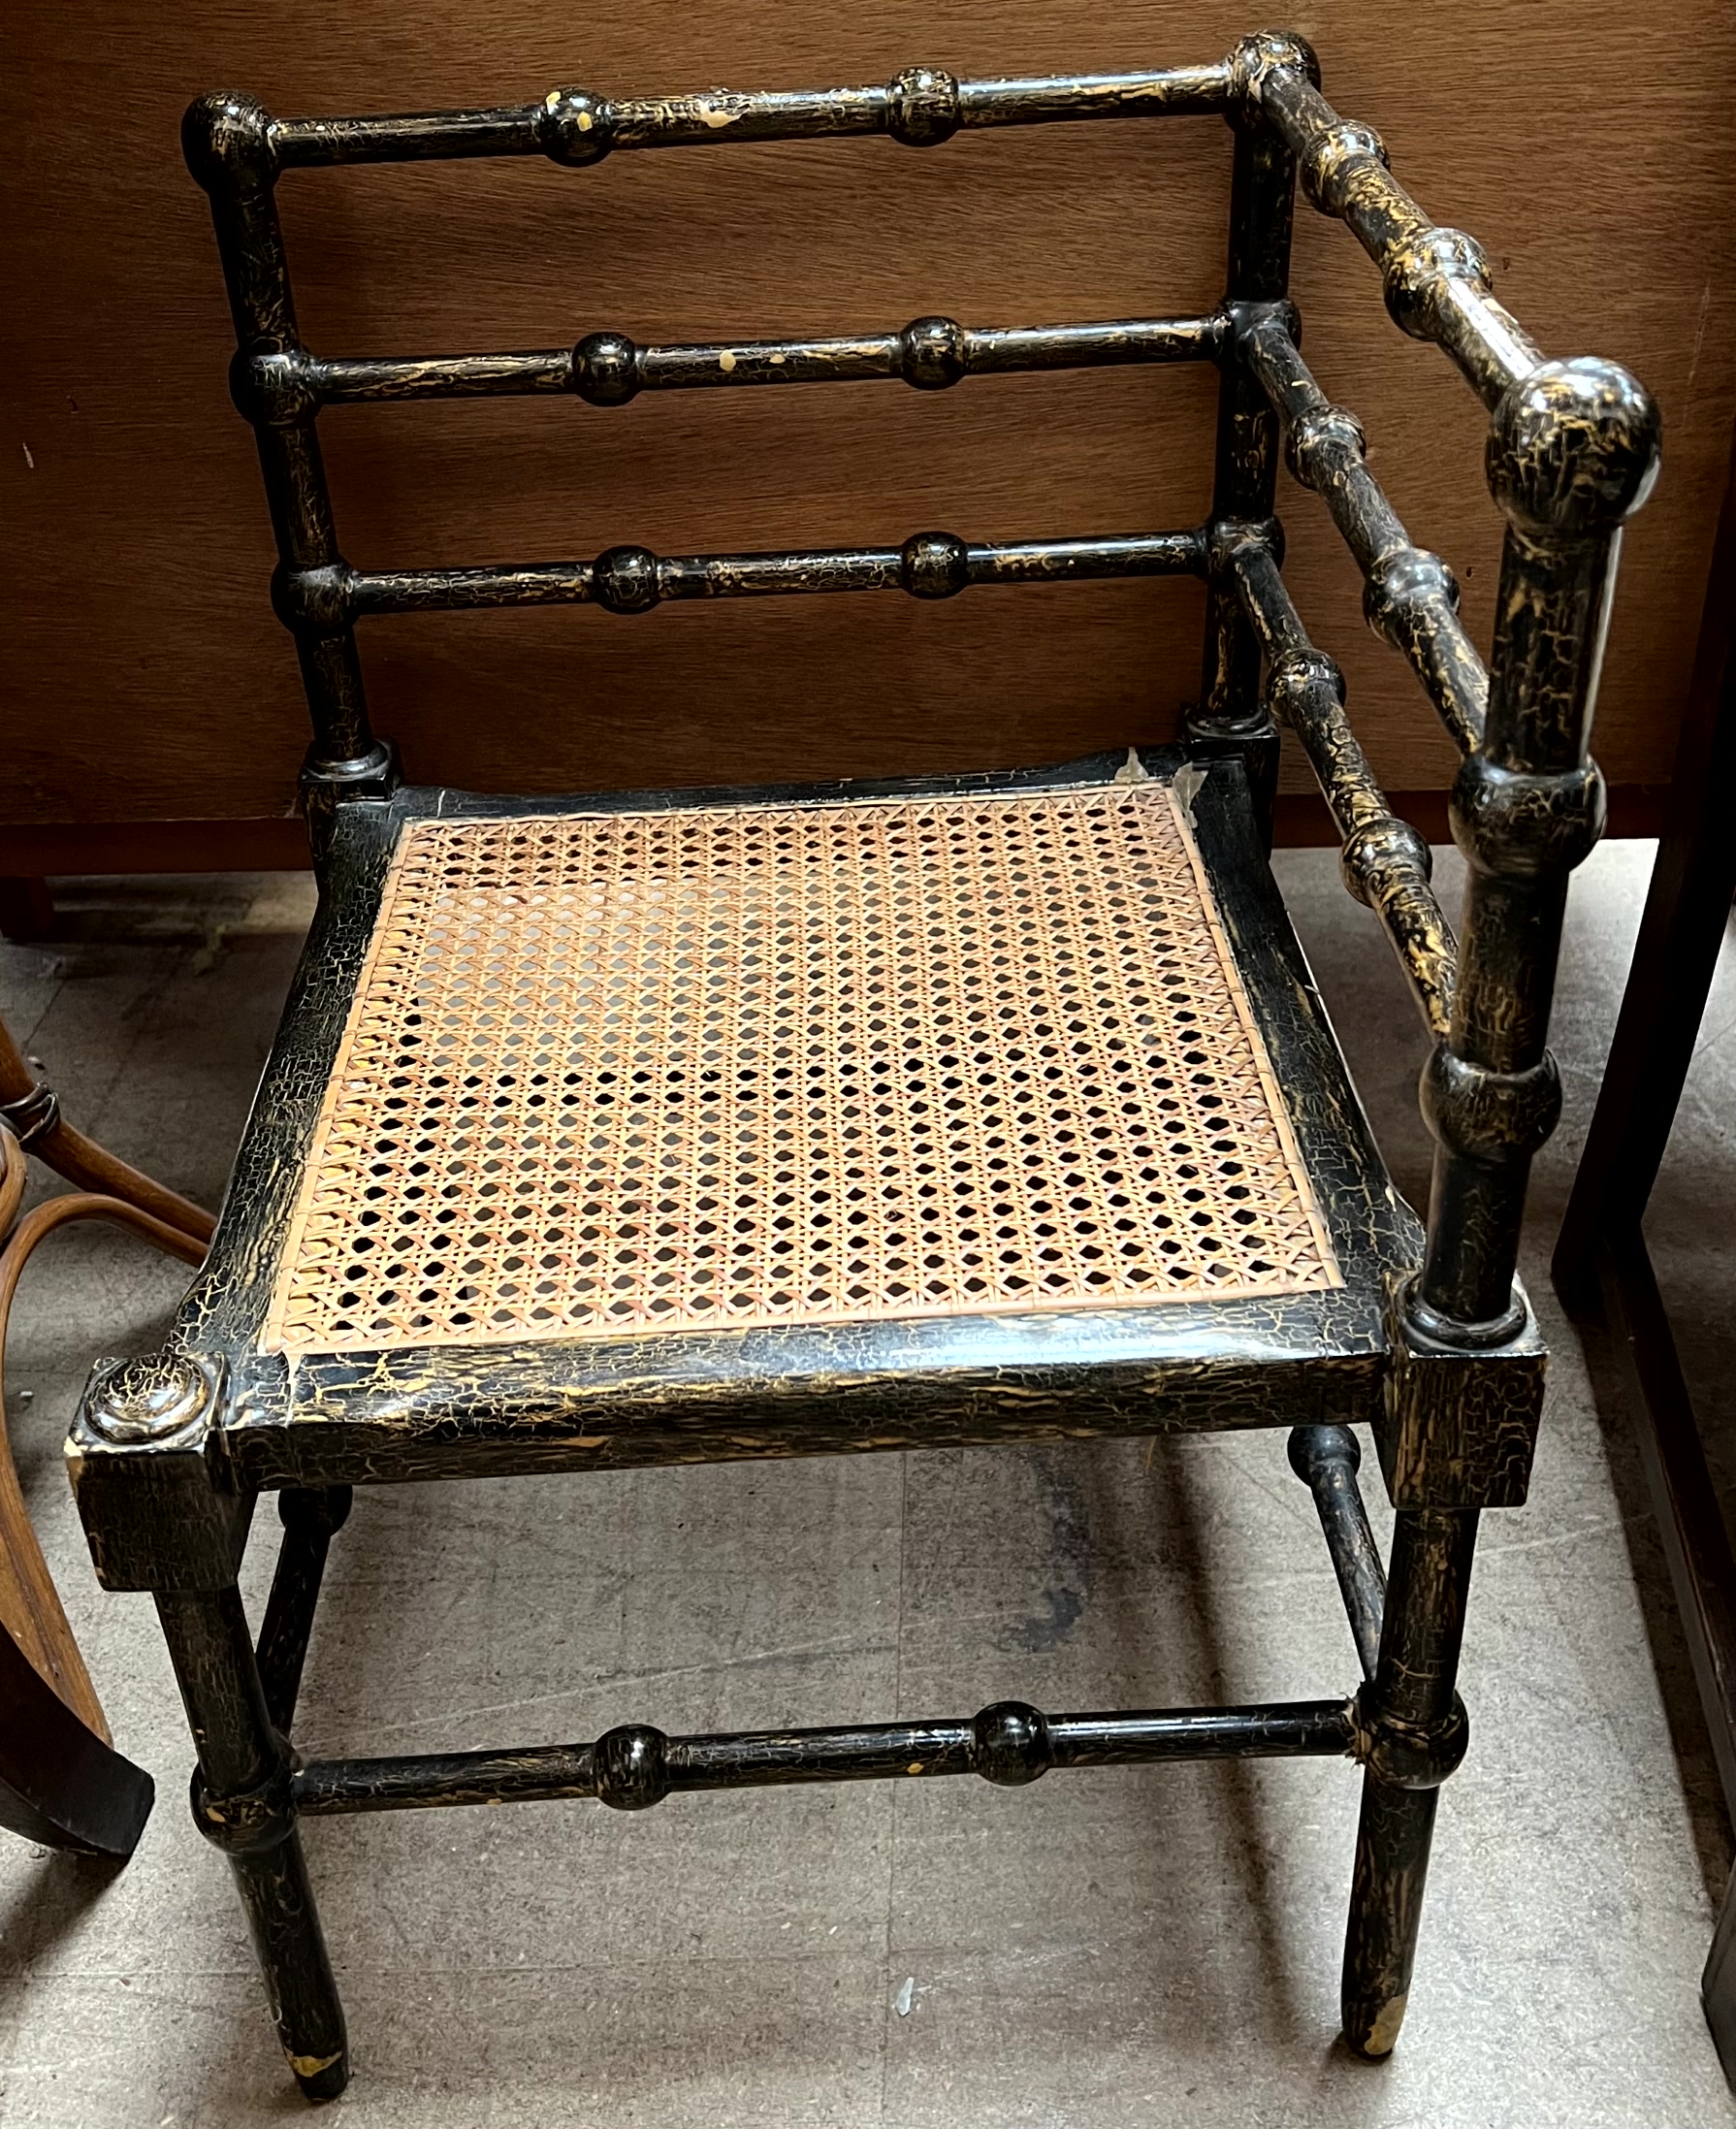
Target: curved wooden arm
x,y
30,1608
62,1782
80,1160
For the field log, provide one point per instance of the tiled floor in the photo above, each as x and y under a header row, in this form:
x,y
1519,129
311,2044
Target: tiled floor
x,y
1153,1948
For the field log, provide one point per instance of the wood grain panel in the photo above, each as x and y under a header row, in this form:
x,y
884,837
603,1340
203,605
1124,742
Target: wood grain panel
x,y
1592,149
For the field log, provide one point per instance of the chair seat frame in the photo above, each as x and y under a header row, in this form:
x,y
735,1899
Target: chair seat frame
x,y
1431,1337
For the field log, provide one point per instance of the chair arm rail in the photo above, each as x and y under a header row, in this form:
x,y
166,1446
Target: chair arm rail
x,y
1436,281
1386,862
1410,596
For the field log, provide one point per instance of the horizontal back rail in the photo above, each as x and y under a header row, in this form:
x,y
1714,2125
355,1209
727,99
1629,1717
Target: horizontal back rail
x,y
630,580
609,369
920,107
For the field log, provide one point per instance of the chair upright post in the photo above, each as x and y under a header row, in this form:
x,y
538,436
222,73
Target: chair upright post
x,y
1232,712
228,144
1572,450
1413,1735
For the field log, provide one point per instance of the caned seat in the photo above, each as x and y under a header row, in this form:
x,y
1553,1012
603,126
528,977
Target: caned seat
x,y
754,1066
867,1115
677,1126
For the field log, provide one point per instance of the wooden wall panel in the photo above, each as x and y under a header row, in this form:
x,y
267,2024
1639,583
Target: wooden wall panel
x,y
1590,147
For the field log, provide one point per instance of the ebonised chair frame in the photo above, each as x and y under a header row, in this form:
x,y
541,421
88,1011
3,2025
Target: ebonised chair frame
x,y
169,1452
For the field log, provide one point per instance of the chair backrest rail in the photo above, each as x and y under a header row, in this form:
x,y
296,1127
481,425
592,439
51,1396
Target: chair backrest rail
x,y
920,106
607,369
630,580
1410,598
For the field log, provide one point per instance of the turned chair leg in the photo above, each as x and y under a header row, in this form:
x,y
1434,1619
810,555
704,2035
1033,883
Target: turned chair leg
x,y
242,1802
311,1517
1414,1733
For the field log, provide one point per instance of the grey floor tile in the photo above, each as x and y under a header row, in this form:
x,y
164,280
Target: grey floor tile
x,y
648,2044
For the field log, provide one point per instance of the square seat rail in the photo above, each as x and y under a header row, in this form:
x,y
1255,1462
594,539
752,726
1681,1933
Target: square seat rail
x,y
685,1125
675,1126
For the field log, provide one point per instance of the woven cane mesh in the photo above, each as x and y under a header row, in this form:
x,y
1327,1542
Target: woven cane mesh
x,y
678,1071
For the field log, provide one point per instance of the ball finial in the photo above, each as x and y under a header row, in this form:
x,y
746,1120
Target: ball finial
x,y
1574,447
227,136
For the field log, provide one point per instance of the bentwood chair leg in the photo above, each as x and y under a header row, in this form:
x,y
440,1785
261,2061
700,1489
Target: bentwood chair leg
x,y
1414,1734
242,1802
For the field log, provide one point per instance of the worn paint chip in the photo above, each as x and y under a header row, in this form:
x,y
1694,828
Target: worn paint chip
x,y
310,2066
1383,2034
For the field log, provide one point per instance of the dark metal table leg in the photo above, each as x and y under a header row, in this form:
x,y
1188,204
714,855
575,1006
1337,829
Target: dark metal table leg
x,y
1601,1264
1718,1983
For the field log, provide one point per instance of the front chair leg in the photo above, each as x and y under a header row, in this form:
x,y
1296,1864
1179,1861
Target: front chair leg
x,y
242,1802
1413,1732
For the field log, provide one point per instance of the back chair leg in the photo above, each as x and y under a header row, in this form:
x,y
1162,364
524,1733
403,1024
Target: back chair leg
x,y
1413,1735
242,1802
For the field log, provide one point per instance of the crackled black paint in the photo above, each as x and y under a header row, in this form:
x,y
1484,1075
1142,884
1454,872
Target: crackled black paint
x,y
311,1517
1412,596
1009,1744
1386,862
1427,1338
631,580
608,368
1326,1459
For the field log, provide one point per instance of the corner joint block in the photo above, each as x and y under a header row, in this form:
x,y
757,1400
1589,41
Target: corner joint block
x,y
1458,1426
154,1492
